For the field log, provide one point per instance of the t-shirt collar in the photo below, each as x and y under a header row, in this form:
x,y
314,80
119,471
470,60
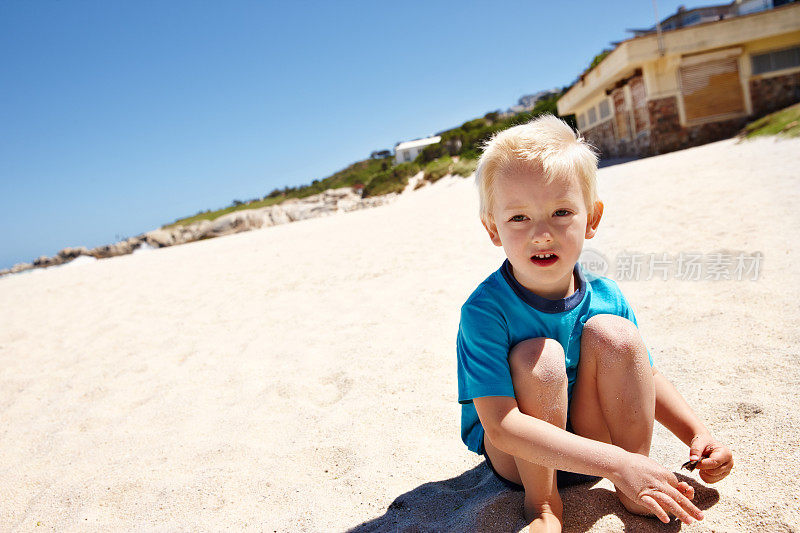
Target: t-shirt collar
x,y
544,304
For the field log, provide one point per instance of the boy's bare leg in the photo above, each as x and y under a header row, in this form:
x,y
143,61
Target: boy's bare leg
x,y
540,386
613,399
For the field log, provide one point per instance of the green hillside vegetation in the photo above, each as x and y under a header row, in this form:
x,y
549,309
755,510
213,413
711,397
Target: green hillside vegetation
x,y
392,180
785,122
438,168
456,153
464,167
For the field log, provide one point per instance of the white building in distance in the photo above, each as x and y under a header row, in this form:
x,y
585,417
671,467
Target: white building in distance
x,y
409,150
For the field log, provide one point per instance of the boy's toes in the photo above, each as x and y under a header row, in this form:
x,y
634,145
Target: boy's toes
x,y
544,523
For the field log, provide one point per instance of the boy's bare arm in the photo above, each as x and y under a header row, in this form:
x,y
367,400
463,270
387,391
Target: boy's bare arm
x,y
672,411
540,442
638,476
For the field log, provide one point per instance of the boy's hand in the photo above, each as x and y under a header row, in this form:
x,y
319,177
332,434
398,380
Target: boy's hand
x,y
649,484
716,460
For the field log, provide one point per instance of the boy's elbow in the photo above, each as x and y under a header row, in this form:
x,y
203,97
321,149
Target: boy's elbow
x,y
510,429
497,417
500,436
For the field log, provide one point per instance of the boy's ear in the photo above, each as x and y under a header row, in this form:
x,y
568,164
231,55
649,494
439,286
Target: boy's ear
x,y
491,228
591,225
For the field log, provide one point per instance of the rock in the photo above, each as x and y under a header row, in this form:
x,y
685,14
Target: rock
x,y
278,215
19,267
72,253
44,261
325,203
202,229
111,250
159,238
227,224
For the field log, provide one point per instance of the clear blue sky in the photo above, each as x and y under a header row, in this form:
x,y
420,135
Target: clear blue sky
x,y
117,117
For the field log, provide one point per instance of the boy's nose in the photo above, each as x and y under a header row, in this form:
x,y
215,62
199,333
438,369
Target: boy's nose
x,y
541,233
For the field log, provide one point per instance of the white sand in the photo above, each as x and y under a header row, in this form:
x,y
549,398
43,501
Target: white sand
x,y
303,376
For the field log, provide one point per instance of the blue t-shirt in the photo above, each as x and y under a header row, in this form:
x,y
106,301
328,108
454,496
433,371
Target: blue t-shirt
x,y
501,312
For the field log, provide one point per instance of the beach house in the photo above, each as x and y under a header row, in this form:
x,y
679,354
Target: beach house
x,y
698,78
409,150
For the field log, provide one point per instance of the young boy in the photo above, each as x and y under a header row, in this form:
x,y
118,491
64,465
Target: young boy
x,y
553,376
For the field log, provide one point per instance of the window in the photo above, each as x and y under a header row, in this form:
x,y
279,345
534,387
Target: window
x,y
711,88
605,109
752,6
691,18
406,156
581,121
776,60
592,115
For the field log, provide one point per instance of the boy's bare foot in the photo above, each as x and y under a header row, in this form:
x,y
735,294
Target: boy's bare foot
x,y
544,523
543,519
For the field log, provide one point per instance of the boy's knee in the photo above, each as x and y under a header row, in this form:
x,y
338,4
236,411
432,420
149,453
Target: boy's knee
x,y
540,359
612,334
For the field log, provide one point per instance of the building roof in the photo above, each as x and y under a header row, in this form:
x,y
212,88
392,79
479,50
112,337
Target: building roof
x,y
632,53
683,17
417,143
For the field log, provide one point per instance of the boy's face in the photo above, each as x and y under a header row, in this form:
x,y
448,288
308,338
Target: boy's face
x,y
531,217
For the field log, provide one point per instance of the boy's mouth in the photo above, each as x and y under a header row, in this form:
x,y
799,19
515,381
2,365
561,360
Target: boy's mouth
x,y
544,259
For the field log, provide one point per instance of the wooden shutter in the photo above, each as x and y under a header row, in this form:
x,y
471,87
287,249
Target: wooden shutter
x,y
639,97
621,113
711,88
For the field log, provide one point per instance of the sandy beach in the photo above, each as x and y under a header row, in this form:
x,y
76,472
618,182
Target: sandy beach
x,y
302,377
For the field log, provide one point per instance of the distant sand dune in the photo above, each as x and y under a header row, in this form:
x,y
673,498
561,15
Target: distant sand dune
x,y
302,377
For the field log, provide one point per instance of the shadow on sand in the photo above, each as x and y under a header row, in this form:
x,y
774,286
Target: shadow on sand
x,y
477,501
611,161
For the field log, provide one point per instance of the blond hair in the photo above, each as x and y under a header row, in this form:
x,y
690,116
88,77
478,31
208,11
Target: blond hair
x,y
546,144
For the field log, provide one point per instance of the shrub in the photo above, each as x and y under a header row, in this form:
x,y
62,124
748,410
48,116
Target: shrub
x,y
407,169
430,152
391,180
492,116
464,166
472,153
380,154
436,170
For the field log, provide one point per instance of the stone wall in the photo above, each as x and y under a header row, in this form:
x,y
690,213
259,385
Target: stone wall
x,y
602,137
772,94
667,134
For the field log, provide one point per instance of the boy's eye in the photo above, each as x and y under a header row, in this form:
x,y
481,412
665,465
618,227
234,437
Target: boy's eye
x,y
562,211
517,219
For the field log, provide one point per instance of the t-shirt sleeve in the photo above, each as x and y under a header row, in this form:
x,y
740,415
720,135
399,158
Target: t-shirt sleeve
x,y
482,348
627,311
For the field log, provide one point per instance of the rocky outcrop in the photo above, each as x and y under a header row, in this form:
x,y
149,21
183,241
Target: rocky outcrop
x,y
325,203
